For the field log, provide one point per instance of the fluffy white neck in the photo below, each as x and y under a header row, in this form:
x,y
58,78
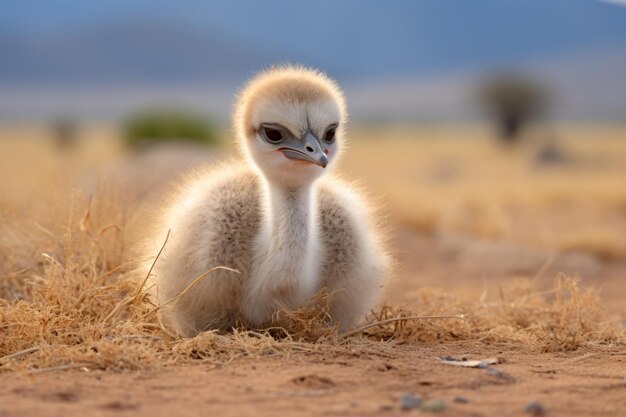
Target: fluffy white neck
x,y
286,262
290,230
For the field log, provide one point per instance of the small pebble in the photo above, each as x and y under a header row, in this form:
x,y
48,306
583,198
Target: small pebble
x,y
434,406
409,402
459,399
494,372
535,408
499,374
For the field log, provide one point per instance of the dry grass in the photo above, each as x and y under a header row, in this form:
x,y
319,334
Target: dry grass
x,y
67,298
455,179
562,319
77,307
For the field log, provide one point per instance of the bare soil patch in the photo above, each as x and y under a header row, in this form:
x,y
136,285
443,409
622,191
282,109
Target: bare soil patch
x,y
581,383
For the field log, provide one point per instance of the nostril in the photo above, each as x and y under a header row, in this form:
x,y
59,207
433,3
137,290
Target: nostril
x,y
309,149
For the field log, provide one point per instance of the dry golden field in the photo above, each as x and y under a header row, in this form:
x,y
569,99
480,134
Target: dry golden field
x,y
524,246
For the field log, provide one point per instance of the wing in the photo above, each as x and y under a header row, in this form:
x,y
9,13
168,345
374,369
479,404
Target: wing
x,y
356,263
213,220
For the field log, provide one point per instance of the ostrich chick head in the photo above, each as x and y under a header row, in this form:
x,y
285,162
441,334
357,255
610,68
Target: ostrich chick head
x,y
289,123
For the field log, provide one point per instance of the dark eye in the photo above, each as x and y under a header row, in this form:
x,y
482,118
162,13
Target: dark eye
x,y
329,137
272,135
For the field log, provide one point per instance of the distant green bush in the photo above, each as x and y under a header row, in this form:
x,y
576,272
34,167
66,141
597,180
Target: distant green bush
x,y
167,126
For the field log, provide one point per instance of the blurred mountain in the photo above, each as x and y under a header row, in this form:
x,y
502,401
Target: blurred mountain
x,y
400,59
350,38
365,38
124,52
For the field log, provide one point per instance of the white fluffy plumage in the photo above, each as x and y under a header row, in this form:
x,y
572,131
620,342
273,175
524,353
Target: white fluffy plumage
x,y
278,216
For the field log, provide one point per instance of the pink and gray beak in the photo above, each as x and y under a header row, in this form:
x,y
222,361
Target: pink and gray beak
x,y
308,150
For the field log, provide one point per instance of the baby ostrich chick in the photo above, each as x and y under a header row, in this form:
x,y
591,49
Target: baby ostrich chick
x,y
278,217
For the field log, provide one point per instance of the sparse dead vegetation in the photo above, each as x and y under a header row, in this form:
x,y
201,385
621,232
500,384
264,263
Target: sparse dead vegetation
x,y
453,180
67,298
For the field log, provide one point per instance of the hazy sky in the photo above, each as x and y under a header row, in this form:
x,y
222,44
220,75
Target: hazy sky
x,y
19,16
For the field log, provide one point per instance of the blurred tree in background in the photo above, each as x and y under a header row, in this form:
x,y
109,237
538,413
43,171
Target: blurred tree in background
x,y
168,125
512,101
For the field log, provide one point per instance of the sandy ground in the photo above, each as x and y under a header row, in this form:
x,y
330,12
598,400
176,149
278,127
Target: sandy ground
x,y
371,382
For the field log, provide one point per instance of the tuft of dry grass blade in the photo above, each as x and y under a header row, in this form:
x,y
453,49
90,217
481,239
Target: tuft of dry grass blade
x,y
566,318
311,322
